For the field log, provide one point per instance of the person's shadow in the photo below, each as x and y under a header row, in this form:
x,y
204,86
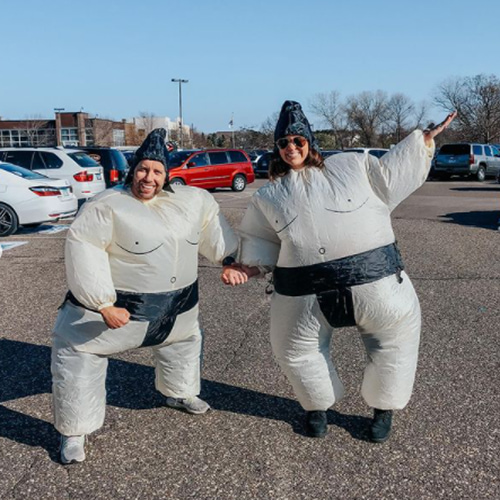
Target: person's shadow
x,y
483,219
25,371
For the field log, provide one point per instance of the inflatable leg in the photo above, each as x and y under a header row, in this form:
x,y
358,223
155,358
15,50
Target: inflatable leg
x,y
178,360
388,316
300,338
78,389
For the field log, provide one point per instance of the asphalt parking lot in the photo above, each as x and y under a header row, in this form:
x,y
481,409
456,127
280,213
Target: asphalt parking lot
x,y
445,444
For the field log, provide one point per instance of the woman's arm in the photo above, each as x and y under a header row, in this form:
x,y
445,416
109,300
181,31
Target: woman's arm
x,y
259,248
405,167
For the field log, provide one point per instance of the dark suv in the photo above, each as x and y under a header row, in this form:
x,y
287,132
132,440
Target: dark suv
x,y
113,162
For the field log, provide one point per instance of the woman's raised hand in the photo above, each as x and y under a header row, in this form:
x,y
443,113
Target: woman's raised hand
x,y
430,133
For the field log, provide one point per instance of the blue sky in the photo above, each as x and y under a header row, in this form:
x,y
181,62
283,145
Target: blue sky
x,y
117,58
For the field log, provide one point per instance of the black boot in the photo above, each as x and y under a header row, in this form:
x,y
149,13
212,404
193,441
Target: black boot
x,y
316,424
381,425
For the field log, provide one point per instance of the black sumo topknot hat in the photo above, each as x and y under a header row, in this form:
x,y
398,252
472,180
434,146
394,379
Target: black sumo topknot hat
x,y
153,148
293,121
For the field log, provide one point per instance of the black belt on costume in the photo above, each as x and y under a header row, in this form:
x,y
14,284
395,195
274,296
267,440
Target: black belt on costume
x,y
160,309
331,281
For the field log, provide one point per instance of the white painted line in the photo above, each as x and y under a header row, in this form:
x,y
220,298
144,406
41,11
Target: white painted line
x,y
12,244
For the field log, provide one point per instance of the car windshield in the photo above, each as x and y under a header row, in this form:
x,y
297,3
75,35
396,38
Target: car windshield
x,y
21,172
83,159
455,149
178,158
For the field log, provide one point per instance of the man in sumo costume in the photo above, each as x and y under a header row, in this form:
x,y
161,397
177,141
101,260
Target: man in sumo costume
x,y
132,265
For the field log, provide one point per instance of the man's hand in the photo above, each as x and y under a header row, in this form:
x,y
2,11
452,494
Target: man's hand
x,y
233,275
430,133
237,274
115,317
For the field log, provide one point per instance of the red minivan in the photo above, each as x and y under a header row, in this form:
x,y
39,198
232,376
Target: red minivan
x,y
211,168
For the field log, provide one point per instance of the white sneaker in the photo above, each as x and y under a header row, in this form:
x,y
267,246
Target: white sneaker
x,y
193,405
72,449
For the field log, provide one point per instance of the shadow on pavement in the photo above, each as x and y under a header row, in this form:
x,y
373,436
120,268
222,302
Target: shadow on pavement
x,y
25,371
490,188
486,220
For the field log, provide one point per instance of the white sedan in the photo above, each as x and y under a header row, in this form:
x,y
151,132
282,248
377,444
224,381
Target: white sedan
x,y
28,199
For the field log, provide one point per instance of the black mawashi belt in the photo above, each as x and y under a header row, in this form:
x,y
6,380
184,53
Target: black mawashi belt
x,y
160,309
331,281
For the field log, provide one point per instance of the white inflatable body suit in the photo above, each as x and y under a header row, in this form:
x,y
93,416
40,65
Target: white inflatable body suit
x,y
142,255
312,216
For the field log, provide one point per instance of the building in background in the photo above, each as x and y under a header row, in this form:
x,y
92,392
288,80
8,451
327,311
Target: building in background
x,y
81,129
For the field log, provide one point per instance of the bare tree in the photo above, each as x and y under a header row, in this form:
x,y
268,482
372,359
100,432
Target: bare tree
x,y
102,130
147,121
477,100
366,114
37,131
267,129
400,111
332,112
421,115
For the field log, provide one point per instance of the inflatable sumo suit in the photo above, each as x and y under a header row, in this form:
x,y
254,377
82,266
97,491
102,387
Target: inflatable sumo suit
x,y
141,255
327,235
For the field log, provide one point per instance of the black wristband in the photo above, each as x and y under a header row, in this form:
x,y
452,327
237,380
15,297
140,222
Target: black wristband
x,y
228,260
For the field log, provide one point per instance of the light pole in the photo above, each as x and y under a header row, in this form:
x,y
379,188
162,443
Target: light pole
x,y
180,81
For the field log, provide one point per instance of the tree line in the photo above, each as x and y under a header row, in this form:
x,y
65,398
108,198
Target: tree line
x,y
376,119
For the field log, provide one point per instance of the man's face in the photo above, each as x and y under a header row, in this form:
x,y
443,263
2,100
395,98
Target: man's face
x,y
149,178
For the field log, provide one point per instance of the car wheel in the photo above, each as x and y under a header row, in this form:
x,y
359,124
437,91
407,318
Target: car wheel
x,y
9,222
481,174
177,181
239,183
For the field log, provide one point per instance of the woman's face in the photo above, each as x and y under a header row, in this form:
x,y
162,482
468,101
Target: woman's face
x,y
149,177
295,152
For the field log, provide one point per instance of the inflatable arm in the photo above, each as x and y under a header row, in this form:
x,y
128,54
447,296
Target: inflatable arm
x,y
259,244
217,239
401,171
87,265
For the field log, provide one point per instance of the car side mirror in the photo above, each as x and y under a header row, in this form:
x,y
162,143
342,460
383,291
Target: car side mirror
x,y
191,164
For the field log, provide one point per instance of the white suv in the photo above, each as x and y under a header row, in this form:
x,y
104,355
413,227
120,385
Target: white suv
x,y
377,152
83,173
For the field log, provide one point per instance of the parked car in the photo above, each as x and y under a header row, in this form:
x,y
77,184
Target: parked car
x,y
28,199
128,156
467,159
113,162
255,154
325,153
83,173
211,168
261,166
377,152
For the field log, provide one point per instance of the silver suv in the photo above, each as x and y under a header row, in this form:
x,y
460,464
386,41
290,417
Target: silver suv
x,y
467,159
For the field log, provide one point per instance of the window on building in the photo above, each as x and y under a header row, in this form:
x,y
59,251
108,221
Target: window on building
x,y
69,136
118,137
89,136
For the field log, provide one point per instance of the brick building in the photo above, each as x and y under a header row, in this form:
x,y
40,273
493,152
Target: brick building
x,y
67,129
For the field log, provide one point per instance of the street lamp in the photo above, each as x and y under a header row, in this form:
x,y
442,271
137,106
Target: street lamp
x,y
180,81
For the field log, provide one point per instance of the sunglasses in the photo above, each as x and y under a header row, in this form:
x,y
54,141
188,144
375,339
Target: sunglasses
x,y
299,142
